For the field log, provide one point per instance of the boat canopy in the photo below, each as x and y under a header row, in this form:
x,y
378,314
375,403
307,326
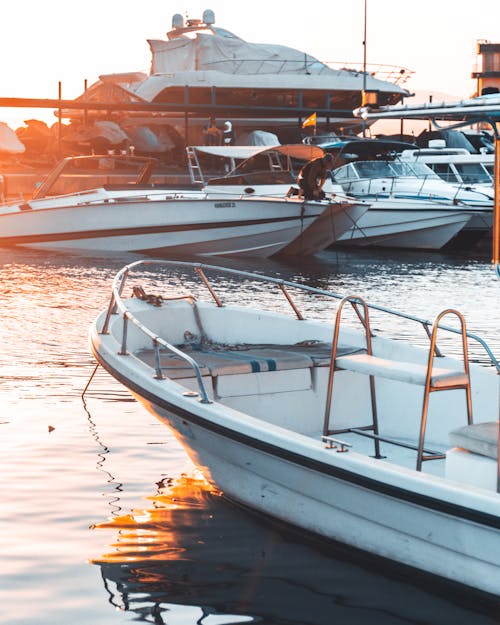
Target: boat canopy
x,y
299,151
368,149
235,57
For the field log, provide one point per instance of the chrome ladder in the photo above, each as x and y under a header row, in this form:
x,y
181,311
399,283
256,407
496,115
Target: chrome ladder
x,y
454,381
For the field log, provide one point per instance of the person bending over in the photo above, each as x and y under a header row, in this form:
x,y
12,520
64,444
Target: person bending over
x,y
313,175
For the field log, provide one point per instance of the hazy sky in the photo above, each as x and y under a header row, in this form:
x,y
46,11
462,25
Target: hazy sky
x,y
41,43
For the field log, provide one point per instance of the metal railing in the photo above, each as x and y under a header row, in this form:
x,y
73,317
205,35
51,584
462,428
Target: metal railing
x,y
394,74
393,188
117,305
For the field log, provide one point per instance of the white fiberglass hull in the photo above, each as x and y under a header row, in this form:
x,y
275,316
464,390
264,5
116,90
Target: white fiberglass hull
x,y
356,508
337,218
402,224
253,226
343,497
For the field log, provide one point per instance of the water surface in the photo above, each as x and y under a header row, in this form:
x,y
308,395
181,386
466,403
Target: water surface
x,y
104,520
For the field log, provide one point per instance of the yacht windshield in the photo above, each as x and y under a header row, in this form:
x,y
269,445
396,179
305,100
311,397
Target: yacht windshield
x,y
392,169
420,170
473,173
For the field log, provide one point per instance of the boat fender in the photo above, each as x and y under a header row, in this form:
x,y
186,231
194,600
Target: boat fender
x,y
249,190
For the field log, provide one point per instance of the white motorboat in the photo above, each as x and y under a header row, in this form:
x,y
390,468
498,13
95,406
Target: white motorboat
x,y
106,203
457,166
383,445
410,205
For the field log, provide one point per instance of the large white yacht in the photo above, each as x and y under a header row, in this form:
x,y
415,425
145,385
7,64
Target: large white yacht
x,y
202,69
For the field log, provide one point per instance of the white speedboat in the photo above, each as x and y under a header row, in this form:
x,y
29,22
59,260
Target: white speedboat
x,y
410,205
385,446
107,203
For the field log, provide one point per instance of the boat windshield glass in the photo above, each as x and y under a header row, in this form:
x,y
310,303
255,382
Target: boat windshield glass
x,y
392,169
473,173
82,173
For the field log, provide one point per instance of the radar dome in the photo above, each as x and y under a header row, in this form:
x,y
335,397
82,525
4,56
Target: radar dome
x,y
177,21
208,17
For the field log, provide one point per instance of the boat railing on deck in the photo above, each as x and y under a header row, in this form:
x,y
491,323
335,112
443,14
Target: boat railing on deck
x,y
361,308
432,379
284,285
392,187
116,305
310,65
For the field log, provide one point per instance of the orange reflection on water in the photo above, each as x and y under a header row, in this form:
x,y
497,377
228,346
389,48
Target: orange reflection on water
x,y
152,533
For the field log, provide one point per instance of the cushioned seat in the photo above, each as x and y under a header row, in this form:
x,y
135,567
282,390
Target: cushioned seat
x,y
479,438
409,372
217,360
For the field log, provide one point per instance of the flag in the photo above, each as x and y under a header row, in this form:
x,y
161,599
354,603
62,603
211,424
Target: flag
x,y
310,121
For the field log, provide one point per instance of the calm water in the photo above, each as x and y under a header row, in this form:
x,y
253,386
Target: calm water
x,y
103,520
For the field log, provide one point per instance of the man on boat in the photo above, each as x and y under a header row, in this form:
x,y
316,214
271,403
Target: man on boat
x,y
211,133
313,175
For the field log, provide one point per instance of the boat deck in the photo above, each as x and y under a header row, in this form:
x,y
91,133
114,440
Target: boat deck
x,y
225,362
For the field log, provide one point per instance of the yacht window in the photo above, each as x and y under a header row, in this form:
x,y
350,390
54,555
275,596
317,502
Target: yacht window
x,y
416,169
374,169
473,173
444,171
344,173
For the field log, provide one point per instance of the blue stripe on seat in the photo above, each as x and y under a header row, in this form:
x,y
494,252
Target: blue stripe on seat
x,y
250,359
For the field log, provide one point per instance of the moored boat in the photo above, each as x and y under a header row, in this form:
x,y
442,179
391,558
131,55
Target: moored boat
x,y
108,203
386,446
410,205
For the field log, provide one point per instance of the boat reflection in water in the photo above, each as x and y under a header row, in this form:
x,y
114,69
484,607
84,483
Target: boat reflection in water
x,y
191,557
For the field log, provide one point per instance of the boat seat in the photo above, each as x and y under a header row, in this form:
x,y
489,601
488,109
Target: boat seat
x,y
217,360
478,438
412,373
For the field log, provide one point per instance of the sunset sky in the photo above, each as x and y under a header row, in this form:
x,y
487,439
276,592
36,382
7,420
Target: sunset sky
x,y
42,43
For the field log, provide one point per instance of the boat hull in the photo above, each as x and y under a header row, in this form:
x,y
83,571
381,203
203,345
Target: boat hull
x,y
409,227
248,227
341,505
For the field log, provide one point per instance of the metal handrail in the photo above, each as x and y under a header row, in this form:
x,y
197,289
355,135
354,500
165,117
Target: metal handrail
x,y
391,73
364,318
122,275
453,385
117,304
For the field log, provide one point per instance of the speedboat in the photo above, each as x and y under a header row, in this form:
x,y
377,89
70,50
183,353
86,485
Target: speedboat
x,y
410,205
385,445
108,203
